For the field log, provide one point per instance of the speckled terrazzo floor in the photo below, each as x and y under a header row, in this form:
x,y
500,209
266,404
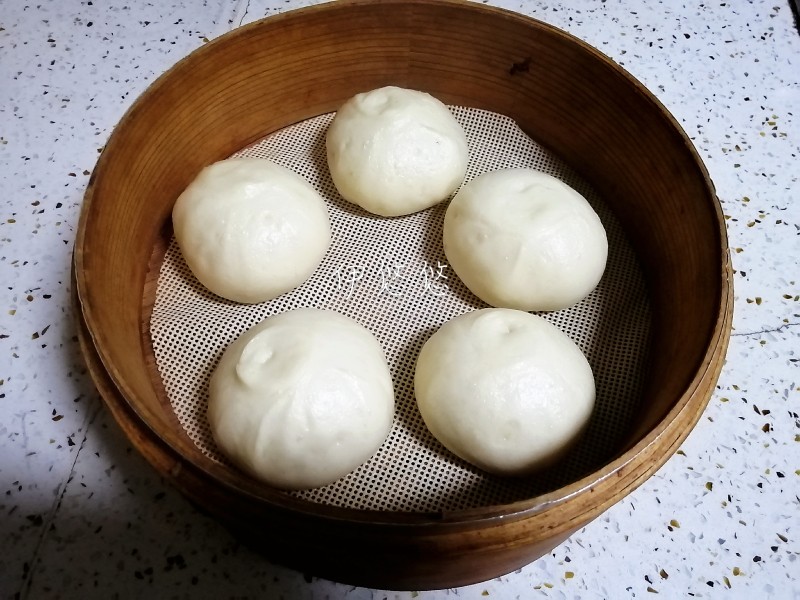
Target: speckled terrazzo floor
x,y
83,516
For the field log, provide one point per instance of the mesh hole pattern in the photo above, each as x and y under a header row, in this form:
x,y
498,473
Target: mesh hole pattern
x,y
392,276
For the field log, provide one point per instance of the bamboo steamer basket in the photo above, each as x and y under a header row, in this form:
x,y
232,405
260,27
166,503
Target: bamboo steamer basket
x,y
287,68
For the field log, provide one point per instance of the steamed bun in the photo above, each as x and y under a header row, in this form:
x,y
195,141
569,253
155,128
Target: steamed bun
x,y
395,151
519,238
504,389
301,399
251,230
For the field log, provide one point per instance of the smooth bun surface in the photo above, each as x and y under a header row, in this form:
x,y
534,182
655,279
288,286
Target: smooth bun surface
x,y
519,238
504,389
395,151
301,399
251,230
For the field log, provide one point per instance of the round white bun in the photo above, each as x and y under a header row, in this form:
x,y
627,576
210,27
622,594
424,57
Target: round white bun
x,y
519,238
504,389
251,230
301,399
395,151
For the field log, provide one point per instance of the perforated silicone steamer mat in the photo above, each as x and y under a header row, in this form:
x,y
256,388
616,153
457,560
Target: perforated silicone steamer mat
x,y
392,276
